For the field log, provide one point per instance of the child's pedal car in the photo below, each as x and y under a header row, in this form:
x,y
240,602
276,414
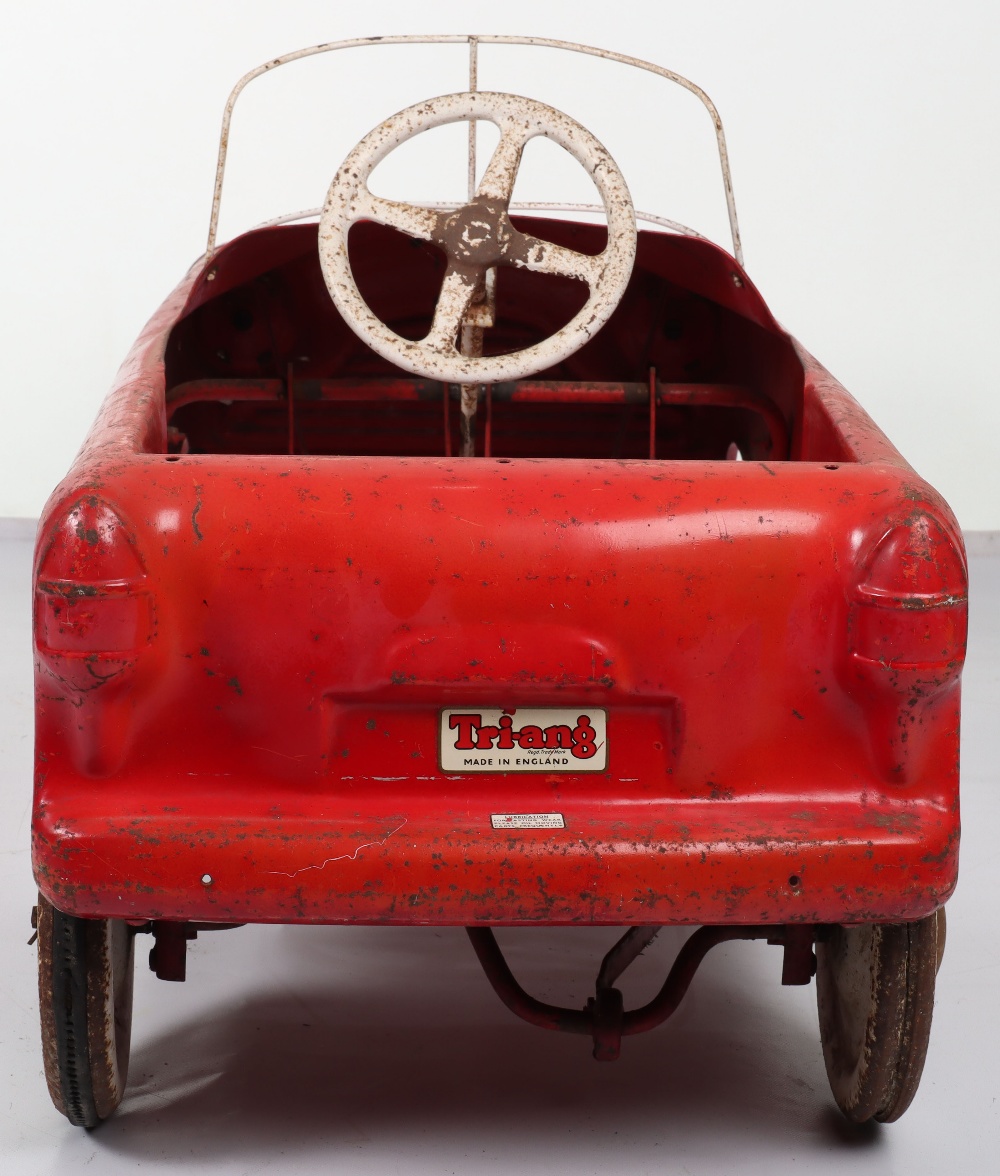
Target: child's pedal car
x,y
477,568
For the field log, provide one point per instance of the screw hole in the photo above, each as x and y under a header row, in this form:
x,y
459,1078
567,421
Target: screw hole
x,y
795,881
504,460
207,879
831,467
173,457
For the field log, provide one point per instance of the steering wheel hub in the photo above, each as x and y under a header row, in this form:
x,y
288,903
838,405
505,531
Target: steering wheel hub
x,y
478,234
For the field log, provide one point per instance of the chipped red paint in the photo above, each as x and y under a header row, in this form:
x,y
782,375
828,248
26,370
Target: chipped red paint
x,y
281,633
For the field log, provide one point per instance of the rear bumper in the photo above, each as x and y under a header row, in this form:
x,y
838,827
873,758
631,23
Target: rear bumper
x,y
654,862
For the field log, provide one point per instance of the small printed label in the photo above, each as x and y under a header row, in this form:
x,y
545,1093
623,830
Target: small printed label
x,y
527,821
524,739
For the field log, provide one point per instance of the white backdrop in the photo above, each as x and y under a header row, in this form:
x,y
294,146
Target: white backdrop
x,y
863,141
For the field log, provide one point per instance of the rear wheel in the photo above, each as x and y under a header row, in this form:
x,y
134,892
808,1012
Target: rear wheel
x,y
875,988
85,995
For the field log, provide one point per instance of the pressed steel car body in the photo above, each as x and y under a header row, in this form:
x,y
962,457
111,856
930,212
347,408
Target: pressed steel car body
x,y
333,626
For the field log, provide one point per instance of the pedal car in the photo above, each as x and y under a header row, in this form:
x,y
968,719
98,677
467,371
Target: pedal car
x,y
457,566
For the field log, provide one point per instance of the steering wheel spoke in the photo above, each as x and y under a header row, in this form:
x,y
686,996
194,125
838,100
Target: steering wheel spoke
x,y
396,214
457,292
545,257
501,171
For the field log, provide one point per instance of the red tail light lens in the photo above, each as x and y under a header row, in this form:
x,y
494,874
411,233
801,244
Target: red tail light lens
x,y
911,608
91,596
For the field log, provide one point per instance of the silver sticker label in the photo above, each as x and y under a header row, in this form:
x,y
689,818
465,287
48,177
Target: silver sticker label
x,y
527,821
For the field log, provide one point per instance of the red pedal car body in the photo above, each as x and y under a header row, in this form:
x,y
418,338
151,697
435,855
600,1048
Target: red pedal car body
x,y
487,569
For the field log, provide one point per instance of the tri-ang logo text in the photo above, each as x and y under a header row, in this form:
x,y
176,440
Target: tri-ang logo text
x,y
475,735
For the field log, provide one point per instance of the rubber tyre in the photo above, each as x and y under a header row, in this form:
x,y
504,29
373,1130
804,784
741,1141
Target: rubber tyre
x,y
875,991
85,974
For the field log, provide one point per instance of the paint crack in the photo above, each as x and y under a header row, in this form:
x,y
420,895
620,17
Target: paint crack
x,y
351,857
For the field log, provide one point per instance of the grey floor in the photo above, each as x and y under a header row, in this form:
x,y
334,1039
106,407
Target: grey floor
x,y
298,1050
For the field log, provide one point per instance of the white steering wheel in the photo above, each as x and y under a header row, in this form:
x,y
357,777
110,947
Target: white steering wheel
x,y
477,237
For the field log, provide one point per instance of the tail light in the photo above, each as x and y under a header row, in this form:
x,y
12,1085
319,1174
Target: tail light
x,y
910,612
907,634
93,610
